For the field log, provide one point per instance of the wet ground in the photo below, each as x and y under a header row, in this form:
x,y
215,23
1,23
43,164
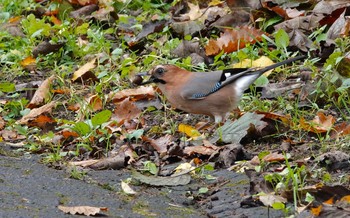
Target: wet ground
x,y
31,189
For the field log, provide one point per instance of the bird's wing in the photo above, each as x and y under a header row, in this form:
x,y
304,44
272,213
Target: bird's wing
x,y
203,84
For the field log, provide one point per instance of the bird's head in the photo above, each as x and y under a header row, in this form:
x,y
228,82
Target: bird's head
x,y
161,74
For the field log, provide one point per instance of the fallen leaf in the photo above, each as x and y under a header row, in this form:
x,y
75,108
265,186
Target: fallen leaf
x,y
162,181
2,123
45,47
184,168
42,94
126,110
83,2
142,92
10,135
341,129
83,11
270,199
127,189
83,74
83,210
233,39
55,20
28,61
228,155
207,149
83,163
286,119
148,28
188,130
161,144
261,62
334,160
95,102
233,132
320,124
36,112
274,157
45,122
316,210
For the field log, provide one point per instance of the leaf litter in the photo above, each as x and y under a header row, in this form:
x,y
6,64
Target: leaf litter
x,y
113,141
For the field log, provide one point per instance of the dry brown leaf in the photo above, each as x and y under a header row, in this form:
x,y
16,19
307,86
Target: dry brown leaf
x,y
116,162
160,144
36,112
46,47
83,74
341,129
200,15
316,210
113,127
148,28
274,157
63,135
2,123
206,149
119,160
286,119
41,94
45,122
339,27
83,2
142,92
82,210
95,102
233,39
320,124
63,91
83,163
126,110
293,12
55,20
10,135
275,8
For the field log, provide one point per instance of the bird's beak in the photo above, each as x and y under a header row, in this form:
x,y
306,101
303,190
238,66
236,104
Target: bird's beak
x,y
150,80
142,74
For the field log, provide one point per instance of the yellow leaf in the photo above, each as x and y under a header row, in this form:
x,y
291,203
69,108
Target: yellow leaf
x,y
188,130
263,61
215,2
28,61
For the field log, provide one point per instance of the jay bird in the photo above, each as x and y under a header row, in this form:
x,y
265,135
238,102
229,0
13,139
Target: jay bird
x,y
210,93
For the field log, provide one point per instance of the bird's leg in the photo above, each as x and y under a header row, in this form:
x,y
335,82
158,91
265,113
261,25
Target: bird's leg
x,y
219,121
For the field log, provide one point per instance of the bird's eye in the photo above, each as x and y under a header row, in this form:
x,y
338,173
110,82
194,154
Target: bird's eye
x,y
160,70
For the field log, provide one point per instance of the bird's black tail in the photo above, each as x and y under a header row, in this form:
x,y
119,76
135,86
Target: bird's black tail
x,y
288,61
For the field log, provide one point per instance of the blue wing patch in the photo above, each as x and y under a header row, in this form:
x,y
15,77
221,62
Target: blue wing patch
x,y
228,73
202,95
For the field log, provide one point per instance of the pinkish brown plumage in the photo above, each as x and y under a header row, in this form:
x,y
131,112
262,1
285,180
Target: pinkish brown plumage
x,y
210,93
